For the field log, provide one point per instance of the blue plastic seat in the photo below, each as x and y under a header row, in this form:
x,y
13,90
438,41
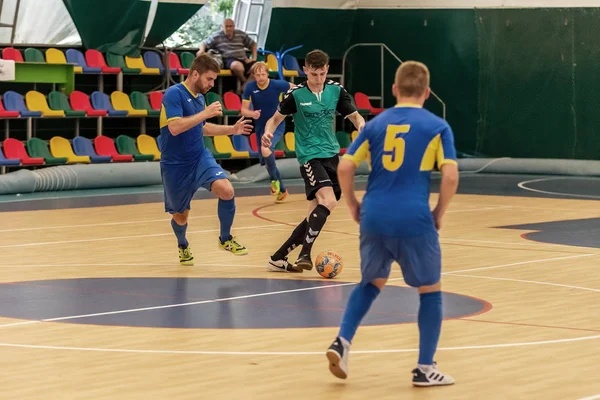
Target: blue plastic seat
x,y
153,60
13,101
291,64
77,58
6,162
241,143
101,101
84,147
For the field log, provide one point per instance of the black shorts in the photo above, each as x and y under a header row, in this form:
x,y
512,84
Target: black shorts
x,y
228,60
318,173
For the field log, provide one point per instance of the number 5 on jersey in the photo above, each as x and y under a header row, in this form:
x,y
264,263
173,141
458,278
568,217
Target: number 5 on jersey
x,y
393,147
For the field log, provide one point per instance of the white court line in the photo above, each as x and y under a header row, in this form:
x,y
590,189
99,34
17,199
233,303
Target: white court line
x,y
522,186
297,353
521,263
525,281
131,310
591,397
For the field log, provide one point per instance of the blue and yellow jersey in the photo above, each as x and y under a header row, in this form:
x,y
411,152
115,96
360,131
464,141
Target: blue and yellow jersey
x,y
403,144
266,99
187,147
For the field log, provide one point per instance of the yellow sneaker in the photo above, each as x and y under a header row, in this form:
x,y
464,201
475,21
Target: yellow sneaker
x,y
281,196
185,256
275,189
233,246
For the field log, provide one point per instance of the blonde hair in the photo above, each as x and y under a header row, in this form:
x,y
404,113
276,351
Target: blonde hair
x,y
412,79
259,66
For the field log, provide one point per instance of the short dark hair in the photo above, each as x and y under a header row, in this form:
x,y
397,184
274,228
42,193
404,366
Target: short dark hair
x,y
204,63
316,59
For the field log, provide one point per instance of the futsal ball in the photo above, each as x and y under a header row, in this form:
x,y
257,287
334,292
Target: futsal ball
x,y
329,264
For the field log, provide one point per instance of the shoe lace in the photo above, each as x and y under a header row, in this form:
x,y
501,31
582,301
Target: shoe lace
x,y
235,244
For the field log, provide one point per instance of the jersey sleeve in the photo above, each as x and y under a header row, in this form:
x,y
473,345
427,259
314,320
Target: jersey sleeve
x,y
172,104
359,148
345,105
282,86
287,106
446,153
247,93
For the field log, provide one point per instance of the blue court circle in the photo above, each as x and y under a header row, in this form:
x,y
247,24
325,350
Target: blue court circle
x,y
216,303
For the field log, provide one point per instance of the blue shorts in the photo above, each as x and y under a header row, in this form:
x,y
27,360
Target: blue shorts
x,y
277,135
181,182
420,258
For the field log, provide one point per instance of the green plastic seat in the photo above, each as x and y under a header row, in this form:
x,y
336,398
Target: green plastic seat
x,y
212,97
37,148
116,60
187,59
210,145
281,146
58,101
126,145
343,139
34,55
140,101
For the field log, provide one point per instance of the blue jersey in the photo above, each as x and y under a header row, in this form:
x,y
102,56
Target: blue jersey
x,y
265,99
187,147
404,144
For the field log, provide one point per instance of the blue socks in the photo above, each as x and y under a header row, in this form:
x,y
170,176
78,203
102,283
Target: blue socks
x,y
226,212
430,325
273,170
358,305
180,233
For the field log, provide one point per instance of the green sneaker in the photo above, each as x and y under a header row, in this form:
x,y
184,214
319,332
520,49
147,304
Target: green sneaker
x,y
185,256
233,246
275,188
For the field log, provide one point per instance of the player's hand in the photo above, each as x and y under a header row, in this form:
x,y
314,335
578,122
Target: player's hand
x,y
437,218
361,126
247,60
242,127
214,110
266,139
256,114
354,209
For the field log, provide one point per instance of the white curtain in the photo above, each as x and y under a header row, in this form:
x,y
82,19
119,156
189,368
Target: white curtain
x,y
41,22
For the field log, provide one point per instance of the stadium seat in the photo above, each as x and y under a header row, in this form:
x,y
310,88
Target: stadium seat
x,y
81,102
13,101
37,102
209,144
101,101
241,144
106,147
354,135
187,59
84,147
254,145
34,55
343,140
281,146
290,63
156,100
126,145
138,63
10,53
14,149
76,57
60,147
121,102
55,56
5,162
38,148
271,62
212,97
7,114
147,145
117,61
154,60
95,59
223,145
362,102
290,142
232,101
175,63
59,101
289,72
139,101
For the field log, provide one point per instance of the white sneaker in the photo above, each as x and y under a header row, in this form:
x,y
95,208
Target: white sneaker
x,y
281,266
337,354
430,376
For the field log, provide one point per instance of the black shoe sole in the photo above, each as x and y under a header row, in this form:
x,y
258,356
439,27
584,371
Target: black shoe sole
x,y
304,264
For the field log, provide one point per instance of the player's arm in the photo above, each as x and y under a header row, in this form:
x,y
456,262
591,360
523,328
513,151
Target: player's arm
x,y
287,106
347,109
446,160
246,101
355,155
242,127
178,124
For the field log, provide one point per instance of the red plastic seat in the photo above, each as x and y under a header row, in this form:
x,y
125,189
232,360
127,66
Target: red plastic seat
x,y
156,100
232,101
10,53
363,102
106,147
8,114
81,102
254,146
174,63
15,150
95,59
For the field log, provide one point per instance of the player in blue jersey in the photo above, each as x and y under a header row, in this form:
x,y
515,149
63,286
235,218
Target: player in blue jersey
x,y
186,165
264,95
396,224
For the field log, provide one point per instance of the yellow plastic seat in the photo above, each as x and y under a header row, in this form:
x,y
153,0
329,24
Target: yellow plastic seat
x,y
354,135
272,63
55,56
290,141
138,62
223,145
147,145
121,102
225,72
60,147
36,101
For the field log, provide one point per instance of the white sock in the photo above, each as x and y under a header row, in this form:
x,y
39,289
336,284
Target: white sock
x,y
345,342
425,368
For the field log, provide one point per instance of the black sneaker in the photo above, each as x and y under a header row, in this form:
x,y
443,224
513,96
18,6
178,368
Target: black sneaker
x,y
282,265
337,354
304,262
430,377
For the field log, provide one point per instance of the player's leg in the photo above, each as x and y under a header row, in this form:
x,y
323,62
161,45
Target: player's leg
x,y
266,160
420,260
321,176
376,262
269,157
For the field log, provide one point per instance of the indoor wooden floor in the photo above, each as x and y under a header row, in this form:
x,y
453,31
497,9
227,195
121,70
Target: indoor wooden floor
x,y
540,340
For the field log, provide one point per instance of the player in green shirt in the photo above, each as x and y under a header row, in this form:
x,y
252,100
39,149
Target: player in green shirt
x,y
314,104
